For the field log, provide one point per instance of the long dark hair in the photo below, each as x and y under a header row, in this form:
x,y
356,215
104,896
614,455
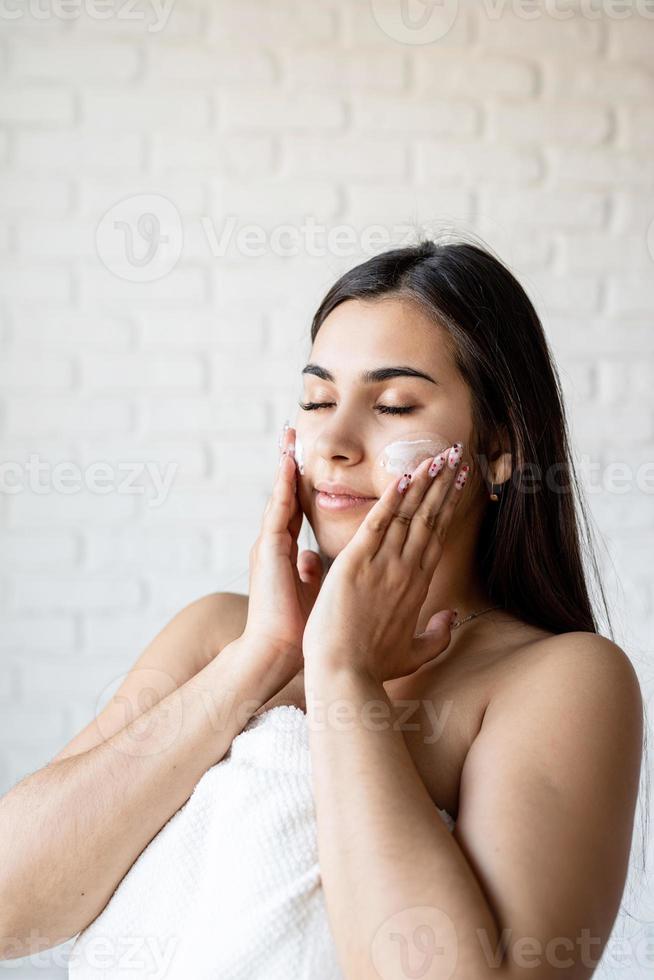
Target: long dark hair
x,y
533,543
529,546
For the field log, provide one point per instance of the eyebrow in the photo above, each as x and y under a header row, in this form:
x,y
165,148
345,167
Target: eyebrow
x,y
371,377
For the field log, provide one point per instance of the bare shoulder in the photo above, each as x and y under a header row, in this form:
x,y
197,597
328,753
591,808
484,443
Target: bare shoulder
x,y
185,645
204,627
551,781
585,675
590,657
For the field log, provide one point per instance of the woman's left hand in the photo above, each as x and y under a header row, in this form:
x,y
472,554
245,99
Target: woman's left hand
x,y
366,613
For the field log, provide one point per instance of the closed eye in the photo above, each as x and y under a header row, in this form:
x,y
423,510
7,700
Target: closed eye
x,y
382,409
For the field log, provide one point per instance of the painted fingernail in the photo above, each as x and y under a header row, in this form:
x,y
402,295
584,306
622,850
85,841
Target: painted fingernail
x,y
454,457
437,465
280,440
404,482
461,477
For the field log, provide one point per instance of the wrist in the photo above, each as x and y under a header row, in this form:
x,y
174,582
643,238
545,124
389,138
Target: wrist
x,y
270,664
241,679
331,665
340,686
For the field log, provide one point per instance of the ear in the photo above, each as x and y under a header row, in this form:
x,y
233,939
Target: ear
x,y
499,461
502,468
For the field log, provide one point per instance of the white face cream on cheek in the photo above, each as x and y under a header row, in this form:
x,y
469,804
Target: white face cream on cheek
x,y
397,457
299,453
404,455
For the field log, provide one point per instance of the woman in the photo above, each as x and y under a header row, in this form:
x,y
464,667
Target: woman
x,y
446,611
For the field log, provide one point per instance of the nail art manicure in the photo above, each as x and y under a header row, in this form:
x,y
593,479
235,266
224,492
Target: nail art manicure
x,y
404,482
454,457
437,465
462,476
280,440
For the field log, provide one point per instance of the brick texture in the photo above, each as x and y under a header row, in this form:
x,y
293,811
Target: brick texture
x,y
222,121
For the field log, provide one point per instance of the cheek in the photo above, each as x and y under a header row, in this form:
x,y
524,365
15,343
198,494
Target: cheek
x,y
404,455
396,457
299,453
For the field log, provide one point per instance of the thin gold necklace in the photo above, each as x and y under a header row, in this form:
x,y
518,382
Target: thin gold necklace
x,y
472,615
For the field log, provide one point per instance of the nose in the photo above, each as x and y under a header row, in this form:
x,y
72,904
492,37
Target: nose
x,y
336,441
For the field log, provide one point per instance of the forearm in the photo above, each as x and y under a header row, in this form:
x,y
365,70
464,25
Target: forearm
x,y
384,850
70,831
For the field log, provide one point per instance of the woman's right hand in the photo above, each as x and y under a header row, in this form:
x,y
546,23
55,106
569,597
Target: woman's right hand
x,y
283,587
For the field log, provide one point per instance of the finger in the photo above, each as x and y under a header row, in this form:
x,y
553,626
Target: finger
x,y
278,510
425,522
368,537
400,527
431,643
451,501
296,519
287,439
283,502
309,566
434,547
310,571
297,514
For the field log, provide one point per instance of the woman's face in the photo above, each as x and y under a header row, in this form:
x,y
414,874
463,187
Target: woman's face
x,y
351,440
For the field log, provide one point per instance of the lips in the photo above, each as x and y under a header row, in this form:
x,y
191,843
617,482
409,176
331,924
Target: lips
x,y
342,490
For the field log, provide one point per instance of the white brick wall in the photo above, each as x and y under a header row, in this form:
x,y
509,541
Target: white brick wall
x,y
529,129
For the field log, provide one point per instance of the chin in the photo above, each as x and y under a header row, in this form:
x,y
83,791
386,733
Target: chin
x,y
332,539
332,529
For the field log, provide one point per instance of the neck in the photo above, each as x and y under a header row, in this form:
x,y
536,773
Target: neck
x,y
455,585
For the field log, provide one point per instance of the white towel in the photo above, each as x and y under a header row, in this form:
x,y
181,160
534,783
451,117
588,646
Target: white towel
x,y
230,888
